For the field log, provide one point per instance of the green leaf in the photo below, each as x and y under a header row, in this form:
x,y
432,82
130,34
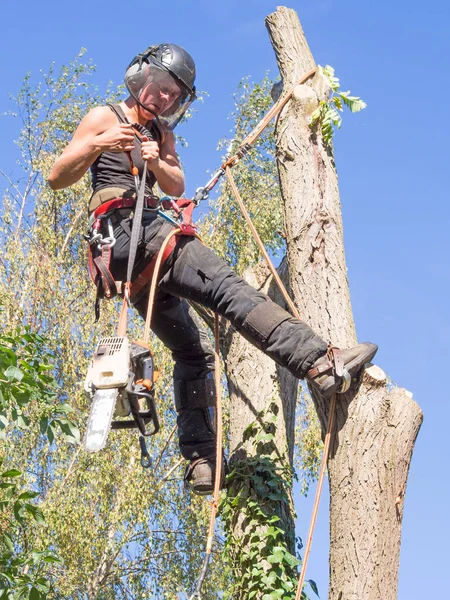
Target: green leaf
x,y
23,422
13,373
43,425
37,556
28,495
36,594
276,558
6,484
8,579
50,433
35,512
51,558
291,560
8,542
64,408
12,473
70,431
313,587
18,509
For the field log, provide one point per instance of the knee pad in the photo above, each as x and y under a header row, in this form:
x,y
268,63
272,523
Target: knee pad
x,y
261,322
198,393
195,403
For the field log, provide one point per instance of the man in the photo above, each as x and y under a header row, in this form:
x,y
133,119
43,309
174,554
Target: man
x,y
161,86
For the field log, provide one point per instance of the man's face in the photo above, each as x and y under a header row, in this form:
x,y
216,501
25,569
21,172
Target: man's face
x,y
160,93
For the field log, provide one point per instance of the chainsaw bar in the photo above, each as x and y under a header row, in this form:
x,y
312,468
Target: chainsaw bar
x,y
100,417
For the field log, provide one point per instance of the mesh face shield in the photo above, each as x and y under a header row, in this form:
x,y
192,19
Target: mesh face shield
x,y
158,92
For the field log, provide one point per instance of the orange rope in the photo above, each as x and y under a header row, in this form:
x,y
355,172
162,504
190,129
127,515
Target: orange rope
x,y
219,437
219,428
326,450
151,296
260,244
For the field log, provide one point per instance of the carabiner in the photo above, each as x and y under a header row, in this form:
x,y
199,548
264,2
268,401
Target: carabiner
x,y
110,240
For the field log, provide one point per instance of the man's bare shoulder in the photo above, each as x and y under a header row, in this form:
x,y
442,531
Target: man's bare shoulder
x,y
99,119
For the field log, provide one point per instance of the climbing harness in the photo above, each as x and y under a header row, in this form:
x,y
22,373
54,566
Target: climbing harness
x,y
183,226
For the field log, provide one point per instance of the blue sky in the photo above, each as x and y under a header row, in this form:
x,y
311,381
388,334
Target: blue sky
x,y
391,159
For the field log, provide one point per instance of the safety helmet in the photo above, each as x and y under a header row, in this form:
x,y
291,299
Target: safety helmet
x,y
165,68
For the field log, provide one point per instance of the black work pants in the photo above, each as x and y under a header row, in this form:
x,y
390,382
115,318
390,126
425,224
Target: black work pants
x,y
194,272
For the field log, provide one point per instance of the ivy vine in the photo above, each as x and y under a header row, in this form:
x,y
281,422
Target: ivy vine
x,y
260,558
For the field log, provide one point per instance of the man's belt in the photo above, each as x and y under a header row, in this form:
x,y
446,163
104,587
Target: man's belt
x,y
115,203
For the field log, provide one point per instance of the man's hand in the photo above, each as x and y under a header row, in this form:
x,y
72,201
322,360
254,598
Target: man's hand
x,y
149,151
119,138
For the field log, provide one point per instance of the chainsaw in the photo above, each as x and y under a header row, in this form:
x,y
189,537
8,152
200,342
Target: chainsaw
x,y
119,383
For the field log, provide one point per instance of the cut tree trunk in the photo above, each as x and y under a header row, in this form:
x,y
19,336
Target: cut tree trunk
x,y
375,428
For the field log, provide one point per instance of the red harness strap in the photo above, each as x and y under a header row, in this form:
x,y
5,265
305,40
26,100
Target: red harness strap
x,y
149,202
99,267
100,273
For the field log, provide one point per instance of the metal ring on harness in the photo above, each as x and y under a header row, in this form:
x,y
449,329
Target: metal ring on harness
x,y
107,241
95,238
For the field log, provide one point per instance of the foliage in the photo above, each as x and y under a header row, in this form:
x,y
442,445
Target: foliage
x,y
308,448
258,493
27,396
256,177
327,116
29,390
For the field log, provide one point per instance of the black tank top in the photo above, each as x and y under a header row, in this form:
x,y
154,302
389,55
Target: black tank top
x,y
113,169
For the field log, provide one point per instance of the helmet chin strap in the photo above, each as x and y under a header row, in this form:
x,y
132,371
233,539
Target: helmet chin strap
x,y
146,108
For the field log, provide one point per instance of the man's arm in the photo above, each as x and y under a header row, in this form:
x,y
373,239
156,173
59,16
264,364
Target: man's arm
x,y
98,132
163,161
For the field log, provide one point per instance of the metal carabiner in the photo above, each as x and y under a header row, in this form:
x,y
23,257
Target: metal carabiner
x,y
95,238
202,193
110,240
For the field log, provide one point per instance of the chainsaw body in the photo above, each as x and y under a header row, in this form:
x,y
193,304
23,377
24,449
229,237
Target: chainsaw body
x,y
119,383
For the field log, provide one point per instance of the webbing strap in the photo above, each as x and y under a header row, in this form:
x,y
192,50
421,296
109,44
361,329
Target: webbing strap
x,y
108,283
137,221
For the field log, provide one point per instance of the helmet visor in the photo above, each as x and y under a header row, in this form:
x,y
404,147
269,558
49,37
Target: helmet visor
x,y
159,93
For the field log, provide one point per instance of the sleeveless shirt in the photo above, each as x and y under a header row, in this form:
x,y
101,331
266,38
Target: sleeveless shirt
x,y
113,169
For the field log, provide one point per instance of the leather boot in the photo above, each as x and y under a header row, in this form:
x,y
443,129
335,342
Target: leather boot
x,y
200,475
333,372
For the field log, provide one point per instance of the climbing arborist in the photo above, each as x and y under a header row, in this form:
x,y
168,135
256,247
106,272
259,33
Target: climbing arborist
x,y
160,82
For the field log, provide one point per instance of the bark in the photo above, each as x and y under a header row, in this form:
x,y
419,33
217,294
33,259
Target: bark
x,y
258,389
375,428
254,380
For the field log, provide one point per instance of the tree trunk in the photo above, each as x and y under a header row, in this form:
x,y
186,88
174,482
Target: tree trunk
x,y
263,396
367,483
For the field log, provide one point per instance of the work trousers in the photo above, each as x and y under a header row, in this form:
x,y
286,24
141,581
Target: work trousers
x,y
193,272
